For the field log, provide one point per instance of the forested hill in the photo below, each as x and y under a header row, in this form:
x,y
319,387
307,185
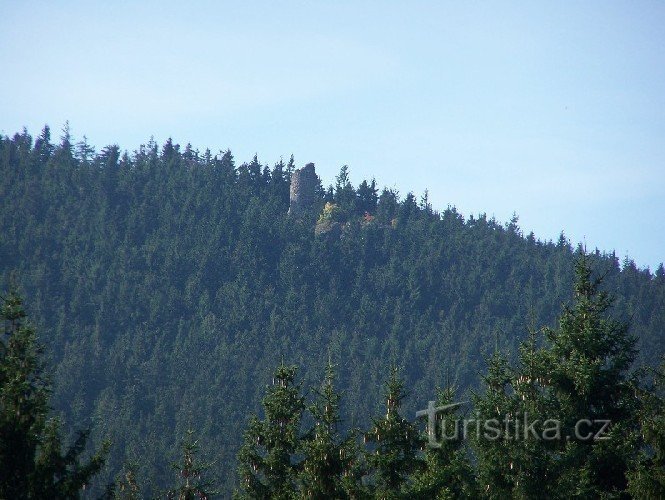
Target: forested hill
x,y
168,284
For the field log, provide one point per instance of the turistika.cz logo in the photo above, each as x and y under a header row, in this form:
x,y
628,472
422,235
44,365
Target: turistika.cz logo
x,y
441,426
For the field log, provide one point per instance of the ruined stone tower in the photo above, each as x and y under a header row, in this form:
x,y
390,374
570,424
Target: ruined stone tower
x,y
303,189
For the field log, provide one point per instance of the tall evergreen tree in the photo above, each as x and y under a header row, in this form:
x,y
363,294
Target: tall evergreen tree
x,y
495,478
514,458
32,464
267,458
396,445
330,467
387,205
43,145
585,365
555,405
345,194
192,485
126,486
447,471
647,479
367,197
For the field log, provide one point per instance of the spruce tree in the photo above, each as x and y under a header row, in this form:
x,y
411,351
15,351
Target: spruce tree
x,y
647,479
512,417
32,464
192,485
493,449
126,486
397,443
585,367
330,467
267,462
556,402
447,471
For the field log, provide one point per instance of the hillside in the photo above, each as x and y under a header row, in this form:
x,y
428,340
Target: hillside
x,y
168,284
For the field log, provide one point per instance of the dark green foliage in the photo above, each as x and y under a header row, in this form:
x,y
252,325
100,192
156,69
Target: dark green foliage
x,y
267,462
345,195
447,472
126,486
367,198
23,400
580,373
494,468
168,281
396,443
586,365
32,464
331,467
647,479
192,481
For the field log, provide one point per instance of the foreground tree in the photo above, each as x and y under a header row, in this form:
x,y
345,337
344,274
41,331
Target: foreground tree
x,y
192,483
494,468
647,479
330,467
585,368
396,445
447,472
126,484
267,464
568,412
32,464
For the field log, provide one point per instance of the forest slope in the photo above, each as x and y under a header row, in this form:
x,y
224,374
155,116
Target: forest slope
x,y
168,284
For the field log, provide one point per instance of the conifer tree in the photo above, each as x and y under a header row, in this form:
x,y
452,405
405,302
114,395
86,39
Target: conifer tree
x,y
290,167
84,151
556,403
345,194
585,367
647,479
330,467
493,449
397,443
126,486
43,146
447,472
267,462
513,415
192,485
31,461
367,197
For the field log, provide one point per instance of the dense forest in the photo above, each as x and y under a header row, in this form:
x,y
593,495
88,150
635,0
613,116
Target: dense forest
x,y
168,284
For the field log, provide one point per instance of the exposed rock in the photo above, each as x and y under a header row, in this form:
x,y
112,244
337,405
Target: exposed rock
x,y
303,189
328,227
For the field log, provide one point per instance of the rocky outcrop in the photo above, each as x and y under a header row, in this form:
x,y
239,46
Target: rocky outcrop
x,y
303,189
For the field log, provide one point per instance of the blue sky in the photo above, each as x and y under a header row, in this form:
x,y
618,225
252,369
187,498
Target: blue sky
x,y
553,110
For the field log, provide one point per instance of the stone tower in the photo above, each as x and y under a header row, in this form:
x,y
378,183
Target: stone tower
x,y
303,189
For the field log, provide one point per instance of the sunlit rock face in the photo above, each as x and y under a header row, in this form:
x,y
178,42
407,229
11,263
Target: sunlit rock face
x,y
303,189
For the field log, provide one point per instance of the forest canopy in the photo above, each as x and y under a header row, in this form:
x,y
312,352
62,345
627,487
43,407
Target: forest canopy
x,y
168,283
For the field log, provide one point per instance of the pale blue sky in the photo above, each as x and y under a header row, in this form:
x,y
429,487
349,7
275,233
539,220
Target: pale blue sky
x,y
554,110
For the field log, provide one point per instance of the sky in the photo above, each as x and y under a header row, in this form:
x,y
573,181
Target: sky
x,y
554,111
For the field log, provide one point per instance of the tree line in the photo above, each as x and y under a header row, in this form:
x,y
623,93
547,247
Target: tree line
x,y
166,283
